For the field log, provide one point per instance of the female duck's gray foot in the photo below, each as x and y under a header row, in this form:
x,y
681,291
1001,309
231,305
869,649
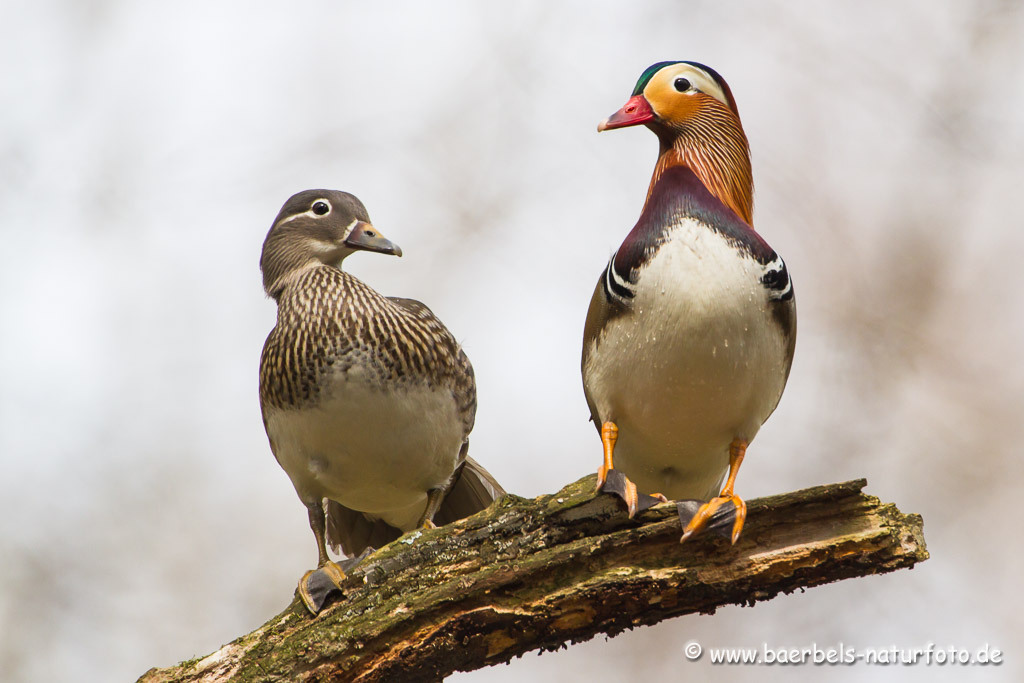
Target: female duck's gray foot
x,y
317,585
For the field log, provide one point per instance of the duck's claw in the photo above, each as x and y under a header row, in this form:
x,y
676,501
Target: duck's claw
x,y
737,449
619,485
317,585
610,480
723,515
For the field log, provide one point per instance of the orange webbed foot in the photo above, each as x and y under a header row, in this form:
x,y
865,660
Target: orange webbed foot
x,y
699,521
618,484
714,508
610,480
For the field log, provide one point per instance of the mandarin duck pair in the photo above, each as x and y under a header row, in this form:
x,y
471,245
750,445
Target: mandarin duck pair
x,y
368,401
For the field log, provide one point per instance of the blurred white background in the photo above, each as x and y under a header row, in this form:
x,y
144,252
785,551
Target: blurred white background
x,y
146,147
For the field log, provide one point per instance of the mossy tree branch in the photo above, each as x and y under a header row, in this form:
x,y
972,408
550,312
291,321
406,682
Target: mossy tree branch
x,y
537,574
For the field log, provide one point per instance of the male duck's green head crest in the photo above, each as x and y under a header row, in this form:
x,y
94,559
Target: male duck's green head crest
x,y
648,74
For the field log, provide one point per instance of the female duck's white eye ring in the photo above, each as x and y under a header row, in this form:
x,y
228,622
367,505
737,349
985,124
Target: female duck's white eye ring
x,y
321,207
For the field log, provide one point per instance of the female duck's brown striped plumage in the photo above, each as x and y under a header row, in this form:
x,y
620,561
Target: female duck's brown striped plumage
x,y
329,321
368,400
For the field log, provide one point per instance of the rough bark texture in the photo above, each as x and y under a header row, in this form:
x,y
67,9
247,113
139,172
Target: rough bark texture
x,y
538,574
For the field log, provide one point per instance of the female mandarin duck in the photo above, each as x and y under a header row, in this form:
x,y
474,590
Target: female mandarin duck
x,y
690,334
368,400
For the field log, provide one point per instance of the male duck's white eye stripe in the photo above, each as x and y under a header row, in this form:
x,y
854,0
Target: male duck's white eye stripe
x,y
699,80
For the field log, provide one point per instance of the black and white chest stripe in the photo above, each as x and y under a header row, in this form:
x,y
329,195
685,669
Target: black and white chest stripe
x,y
616,287
776,280
679,195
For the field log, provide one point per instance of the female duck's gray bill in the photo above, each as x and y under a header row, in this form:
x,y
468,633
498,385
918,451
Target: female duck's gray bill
x,y
365,236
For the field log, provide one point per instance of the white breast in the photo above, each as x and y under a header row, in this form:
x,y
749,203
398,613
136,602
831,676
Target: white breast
x,y
697,363
370,450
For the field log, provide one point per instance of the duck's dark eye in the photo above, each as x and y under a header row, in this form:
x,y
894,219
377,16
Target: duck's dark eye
x,y
682,85
321,208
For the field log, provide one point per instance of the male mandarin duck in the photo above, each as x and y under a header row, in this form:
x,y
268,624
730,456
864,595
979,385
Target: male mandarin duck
x,y
367,400
691,330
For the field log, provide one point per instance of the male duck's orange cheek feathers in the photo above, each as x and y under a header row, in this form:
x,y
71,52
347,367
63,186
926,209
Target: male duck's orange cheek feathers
x,y
635,111
675,109
678,110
